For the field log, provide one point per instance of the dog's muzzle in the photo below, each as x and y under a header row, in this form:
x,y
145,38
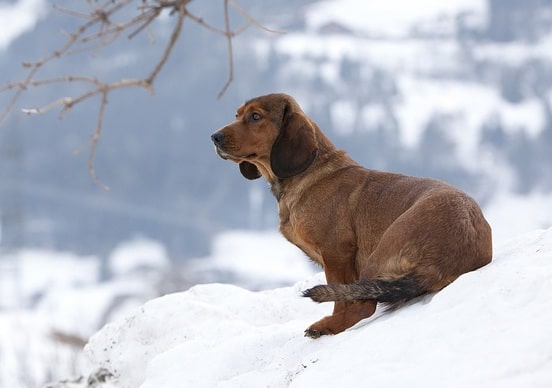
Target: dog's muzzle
x,y
218,140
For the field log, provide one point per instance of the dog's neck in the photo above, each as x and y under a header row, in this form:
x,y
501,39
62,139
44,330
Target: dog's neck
x,y
327,162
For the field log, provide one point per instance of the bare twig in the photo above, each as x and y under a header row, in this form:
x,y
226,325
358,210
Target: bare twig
x,y
95,139
252,20
229,36
98,30
174,37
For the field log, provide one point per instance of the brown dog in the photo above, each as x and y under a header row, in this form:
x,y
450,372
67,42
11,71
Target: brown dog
x,y
380,237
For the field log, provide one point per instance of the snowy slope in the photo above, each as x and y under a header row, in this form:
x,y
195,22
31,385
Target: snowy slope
x,y
490,328
52,302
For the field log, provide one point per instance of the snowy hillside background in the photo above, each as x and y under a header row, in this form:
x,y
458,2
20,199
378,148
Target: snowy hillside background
x,y
458,90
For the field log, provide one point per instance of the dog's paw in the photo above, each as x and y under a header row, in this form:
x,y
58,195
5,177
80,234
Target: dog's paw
x,y
313,333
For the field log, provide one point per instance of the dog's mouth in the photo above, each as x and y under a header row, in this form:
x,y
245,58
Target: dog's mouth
x,y
227,156
222,154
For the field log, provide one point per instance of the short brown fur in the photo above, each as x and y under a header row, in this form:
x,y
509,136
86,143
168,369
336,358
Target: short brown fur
x,y
360,225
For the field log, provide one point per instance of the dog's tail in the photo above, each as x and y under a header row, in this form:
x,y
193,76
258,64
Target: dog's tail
x,y
391,292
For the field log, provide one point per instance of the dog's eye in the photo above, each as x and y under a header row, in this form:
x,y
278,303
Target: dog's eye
x,y
255,116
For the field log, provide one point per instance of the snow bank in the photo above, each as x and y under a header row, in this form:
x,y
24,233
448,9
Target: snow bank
x,y
52,302
490,328
27,343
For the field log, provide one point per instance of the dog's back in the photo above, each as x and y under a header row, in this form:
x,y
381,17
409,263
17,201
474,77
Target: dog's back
x,y
416,236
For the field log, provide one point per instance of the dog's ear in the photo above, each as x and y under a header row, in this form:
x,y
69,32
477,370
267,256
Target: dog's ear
x,y
295,147
249,170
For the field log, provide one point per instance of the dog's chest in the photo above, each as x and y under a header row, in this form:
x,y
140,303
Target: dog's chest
x,y
300,231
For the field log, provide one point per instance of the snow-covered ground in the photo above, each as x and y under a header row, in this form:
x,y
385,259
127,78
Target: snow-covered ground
x,y
495,320
52,302
490,328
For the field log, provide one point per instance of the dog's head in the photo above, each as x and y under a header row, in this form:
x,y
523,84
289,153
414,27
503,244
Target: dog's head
x,y
271,136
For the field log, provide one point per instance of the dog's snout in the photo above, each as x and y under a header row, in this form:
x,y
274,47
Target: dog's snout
x,y
218,138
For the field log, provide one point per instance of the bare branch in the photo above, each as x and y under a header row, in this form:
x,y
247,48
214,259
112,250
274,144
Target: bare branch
x,y
148,19
229,36
95,139
98,30
174,37
54,104
251,19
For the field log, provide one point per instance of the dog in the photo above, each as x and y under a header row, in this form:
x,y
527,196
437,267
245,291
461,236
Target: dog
x,y
379,236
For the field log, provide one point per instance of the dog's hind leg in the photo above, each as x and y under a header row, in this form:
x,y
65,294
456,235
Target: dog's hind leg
x,y
345,315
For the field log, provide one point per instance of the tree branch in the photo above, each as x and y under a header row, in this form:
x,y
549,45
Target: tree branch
x,y
99,30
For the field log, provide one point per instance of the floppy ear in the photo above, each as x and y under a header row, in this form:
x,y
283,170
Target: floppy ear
x,y
249,170
295,147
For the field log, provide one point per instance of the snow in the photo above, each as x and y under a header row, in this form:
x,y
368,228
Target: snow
x,y
52,302
513,214
405,55
38,275
515,53
26,345
27,275
490,328
257,260
19,17
227,335
382,42
469,105
393,18
343,115
138,254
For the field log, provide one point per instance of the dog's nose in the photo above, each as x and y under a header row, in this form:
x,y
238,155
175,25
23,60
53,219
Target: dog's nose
x,y
218,138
